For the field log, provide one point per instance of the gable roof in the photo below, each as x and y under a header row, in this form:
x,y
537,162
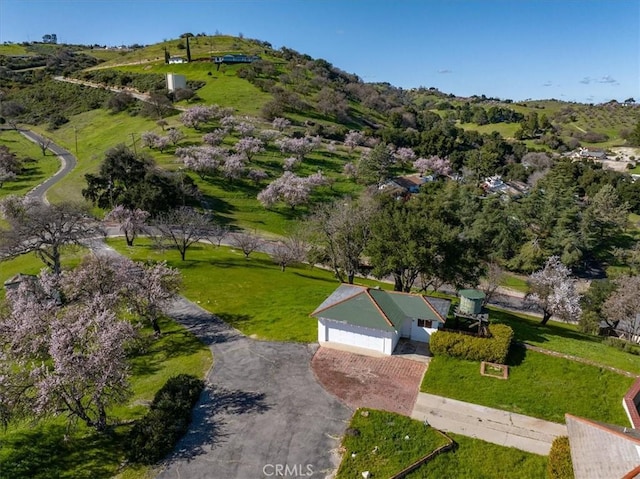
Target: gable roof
x,y
602,450
379,309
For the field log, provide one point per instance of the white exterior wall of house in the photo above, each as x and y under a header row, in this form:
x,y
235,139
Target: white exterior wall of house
x,y
344,333
423,334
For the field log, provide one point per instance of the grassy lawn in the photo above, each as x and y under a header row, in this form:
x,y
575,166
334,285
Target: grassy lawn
x,y
37,168
41,451
482,460
514,282
252,295
387,432
472,457
539,385
565,338
30,264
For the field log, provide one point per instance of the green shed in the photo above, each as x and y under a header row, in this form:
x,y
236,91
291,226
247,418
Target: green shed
x,y
471,301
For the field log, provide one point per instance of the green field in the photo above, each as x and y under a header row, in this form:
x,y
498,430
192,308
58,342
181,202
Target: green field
x,y
539,385
97,131
201,48
506,130
514,282
37,168
13,49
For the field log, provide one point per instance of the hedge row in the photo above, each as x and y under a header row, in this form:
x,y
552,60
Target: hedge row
x,y
560,465
155,435
493,349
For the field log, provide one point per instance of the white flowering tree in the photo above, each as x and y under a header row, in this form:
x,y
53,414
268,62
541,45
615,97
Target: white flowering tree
x,y
202,160
353,139
249,147
291,189
62,357
553,290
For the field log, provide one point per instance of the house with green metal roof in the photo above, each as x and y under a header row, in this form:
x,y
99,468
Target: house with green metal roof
x,y
376,319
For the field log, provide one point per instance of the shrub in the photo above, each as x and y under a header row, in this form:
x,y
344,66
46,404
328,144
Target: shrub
x,y
155,435
560,465
622,345
493,349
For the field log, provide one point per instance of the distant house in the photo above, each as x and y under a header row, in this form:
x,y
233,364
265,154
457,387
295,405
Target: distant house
x,y
232,58
592,154
407,183
375,319
174,60
600,450
495,184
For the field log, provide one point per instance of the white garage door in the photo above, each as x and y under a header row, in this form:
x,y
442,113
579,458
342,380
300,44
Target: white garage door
x,y
352,338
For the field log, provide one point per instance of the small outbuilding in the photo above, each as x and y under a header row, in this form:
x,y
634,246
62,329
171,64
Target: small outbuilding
x,y
376,319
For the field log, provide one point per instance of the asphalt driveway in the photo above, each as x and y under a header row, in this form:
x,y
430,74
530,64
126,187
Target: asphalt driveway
x,y
263,414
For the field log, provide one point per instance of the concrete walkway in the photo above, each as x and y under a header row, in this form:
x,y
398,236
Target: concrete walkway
x,y
492,425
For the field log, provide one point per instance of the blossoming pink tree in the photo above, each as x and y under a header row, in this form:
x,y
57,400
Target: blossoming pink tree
x,y
132,222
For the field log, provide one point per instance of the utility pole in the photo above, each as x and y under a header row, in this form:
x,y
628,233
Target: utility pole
x,y
75,131
133,139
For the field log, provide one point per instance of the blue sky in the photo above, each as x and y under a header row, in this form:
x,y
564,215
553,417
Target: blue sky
x,y
587,50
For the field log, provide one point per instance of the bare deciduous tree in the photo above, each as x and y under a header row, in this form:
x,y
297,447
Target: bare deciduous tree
x,y
622,307
246,242
492,280
291,250
44,229
343,229
181,228
132,222
217,233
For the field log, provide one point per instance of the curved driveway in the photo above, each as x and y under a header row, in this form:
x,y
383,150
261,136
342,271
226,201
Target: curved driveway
x,y
263,409
68,164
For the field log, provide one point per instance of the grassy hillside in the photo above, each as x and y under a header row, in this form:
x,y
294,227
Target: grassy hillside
x,y
36,168
201,47
222,87
571,120
13,49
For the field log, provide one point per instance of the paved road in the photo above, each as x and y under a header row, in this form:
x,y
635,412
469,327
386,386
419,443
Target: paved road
x,y
68,163
134,93
492,425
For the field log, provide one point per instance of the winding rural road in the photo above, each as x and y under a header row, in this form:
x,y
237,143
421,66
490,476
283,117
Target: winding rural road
x,y
67,160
